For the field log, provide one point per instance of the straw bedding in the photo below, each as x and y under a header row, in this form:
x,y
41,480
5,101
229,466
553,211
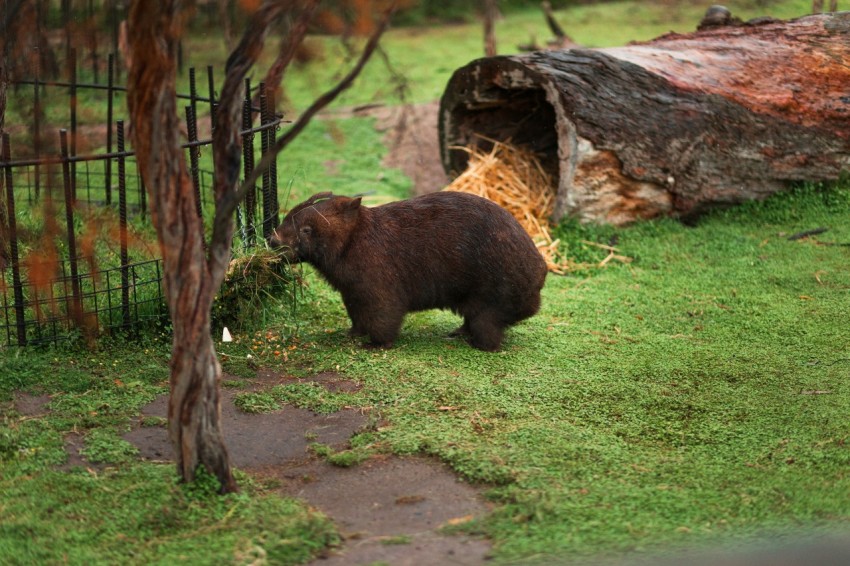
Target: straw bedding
x,y
513,178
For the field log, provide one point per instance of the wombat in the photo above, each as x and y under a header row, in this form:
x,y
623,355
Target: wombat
x,y
444,250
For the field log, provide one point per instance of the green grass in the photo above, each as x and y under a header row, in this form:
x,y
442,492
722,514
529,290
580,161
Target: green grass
x,y
123,511
310,396
695,395
138,515
423,77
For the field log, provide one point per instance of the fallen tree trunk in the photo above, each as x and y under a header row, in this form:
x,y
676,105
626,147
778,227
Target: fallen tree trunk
x,y
670,126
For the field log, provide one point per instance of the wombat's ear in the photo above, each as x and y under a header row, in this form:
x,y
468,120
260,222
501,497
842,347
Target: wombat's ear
x,y
352,206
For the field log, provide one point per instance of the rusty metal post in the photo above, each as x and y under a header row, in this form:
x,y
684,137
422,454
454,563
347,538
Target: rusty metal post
x,y
110,86
122,218
36,135
72,90
76,309
211,88
17,286
193,91
248,166
194,156
268,227
273,168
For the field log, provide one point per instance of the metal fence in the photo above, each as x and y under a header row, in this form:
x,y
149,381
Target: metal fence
x,y
79,295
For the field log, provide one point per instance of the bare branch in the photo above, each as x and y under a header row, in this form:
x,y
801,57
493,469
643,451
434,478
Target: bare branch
x,y
289,47
490,14
556,28
299,125
224,16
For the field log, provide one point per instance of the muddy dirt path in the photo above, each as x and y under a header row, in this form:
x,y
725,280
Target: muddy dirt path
x,y
387,509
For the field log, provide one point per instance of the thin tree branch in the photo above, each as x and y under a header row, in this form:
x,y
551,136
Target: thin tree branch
x,y
490,13
556,28
233,200
224,16
289,47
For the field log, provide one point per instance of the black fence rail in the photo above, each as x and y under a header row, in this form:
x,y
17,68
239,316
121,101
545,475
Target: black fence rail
x,y
76,296
119,299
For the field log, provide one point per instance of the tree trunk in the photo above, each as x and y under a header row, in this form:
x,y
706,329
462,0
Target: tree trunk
x,y
491,11
670,126
193,409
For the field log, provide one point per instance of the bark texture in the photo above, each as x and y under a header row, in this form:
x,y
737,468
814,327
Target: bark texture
x,y
190,283
670,126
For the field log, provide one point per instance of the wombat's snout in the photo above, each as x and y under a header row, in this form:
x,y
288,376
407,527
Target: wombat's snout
x,y
273,241
281,247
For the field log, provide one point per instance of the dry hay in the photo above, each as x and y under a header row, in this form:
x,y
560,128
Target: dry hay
x,y
262,267
514,179
250,281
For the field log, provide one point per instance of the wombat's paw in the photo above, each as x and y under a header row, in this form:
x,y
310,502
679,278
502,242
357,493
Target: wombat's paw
x,y
485,346
355,332
488,340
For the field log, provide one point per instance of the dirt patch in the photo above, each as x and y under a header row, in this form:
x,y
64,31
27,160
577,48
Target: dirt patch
x,y
256,440
388,509
333,382
74,443
30,405
410,134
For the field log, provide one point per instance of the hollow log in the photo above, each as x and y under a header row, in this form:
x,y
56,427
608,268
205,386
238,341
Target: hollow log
x,y
671,126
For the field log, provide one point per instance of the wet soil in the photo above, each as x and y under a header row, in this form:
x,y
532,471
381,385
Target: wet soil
x,y
31,405
387,509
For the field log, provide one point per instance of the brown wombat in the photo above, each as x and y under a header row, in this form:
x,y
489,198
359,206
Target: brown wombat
x,y
445,250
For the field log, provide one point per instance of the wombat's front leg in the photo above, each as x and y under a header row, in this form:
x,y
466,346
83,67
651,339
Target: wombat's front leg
x,y
381,323
356,329
356,332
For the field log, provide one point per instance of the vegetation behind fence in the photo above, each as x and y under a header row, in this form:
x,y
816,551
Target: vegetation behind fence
x,y
75,254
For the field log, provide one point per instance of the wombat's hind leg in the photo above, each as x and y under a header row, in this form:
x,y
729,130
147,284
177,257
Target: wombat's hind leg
x,y
461,331
486,331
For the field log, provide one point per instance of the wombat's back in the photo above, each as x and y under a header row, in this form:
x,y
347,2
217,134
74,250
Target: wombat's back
x,y
448,249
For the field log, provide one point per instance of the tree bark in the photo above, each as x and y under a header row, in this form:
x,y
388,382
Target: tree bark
x,y
670,126
194,408
491,11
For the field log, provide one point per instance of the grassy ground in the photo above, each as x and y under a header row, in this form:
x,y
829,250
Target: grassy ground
x,y
694,396
120,511
420,67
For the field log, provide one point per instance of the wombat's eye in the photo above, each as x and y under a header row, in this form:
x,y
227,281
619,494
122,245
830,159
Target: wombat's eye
x,y
306,230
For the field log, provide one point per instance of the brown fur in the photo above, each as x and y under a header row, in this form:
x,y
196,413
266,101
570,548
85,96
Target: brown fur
x,y
444,250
